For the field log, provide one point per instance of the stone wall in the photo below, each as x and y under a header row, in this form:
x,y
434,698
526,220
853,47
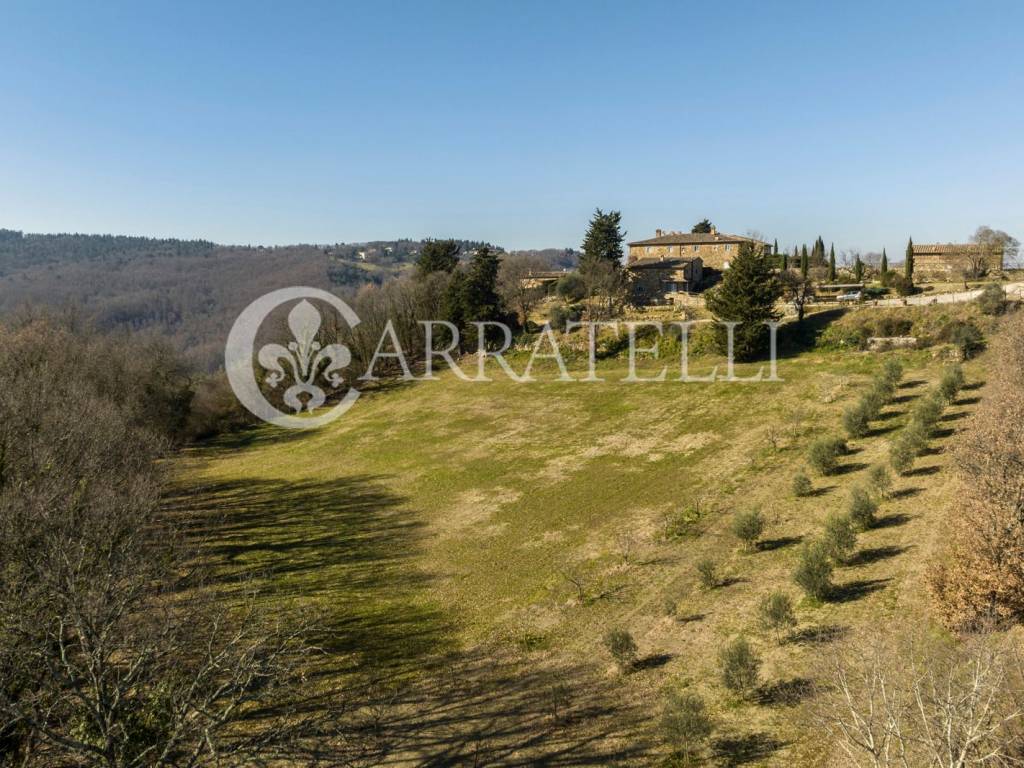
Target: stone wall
x,y
714,255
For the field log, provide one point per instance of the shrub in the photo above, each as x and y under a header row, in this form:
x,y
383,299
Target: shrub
x,y
880,479
915,434
559,315
802,485
901,455
708,573
571,287
862,508
839,537
824,454
951,383
622,647
813,572
748,527
874,400
685,725
892,370
992,300
966,337
740,666
901,284
856,418
928,411
776,613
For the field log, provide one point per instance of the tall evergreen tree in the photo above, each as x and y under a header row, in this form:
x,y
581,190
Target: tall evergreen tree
x,y
438,256
603,242
476,296
747,295
832,263
858,269
775,247
885,263
908,265
783,261
702,227
804,262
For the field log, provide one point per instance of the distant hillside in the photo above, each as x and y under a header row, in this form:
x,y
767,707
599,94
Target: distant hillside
x,y
188,290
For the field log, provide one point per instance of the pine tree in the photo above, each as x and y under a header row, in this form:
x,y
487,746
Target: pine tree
x,y
474,294
702,227
438,256
908,265
603,242
885,263
747,295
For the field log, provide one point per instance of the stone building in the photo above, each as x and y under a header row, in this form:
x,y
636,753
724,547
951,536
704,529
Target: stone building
x,y
954,260
714,249
663,279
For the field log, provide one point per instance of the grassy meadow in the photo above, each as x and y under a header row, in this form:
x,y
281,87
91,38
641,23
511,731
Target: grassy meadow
x,y
471,543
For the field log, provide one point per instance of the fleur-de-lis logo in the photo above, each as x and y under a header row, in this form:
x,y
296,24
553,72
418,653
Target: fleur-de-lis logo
x,y
306,359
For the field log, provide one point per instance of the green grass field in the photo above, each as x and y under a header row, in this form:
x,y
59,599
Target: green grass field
x,y
489,534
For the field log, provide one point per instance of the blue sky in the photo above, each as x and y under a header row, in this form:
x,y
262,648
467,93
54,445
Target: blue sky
x,y
510,122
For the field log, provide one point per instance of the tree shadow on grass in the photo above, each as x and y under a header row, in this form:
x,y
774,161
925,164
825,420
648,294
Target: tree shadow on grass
x,y
748,748
770,545
654,661
480,708
897,518
973,386
343,548
855,590
912,383
797,338
882,430
954,416
846,469
824,490
923,471
968,401
900,399
785,693
905,493
874,555
821,634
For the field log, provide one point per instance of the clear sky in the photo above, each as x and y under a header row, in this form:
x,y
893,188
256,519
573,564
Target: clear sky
x,y
511,121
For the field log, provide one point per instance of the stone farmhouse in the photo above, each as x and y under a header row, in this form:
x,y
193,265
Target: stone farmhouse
x,y
666,267
952,260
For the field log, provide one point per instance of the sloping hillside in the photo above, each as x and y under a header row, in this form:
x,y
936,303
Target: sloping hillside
x,y
476,541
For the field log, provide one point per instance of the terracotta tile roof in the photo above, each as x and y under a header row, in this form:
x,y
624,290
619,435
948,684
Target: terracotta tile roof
x,y
693,238
939,249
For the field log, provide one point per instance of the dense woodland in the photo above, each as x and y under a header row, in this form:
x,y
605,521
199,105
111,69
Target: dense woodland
x,y
190,291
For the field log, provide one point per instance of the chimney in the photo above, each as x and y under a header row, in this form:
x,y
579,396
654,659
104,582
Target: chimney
x,y
657,233
714,230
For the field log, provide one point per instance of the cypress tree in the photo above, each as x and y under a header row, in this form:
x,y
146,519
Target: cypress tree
x,y
804,262
832,263
783,261
775,247
858,269
885,263
908,265
747,295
